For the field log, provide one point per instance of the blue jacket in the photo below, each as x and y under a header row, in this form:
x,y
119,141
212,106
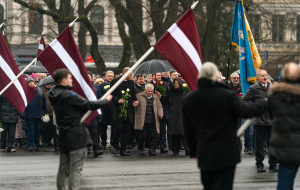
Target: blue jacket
x,y
37,107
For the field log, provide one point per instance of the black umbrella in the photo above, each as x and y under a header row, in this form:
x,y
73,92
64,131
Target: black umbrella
x,y
47,80
34,69
153,66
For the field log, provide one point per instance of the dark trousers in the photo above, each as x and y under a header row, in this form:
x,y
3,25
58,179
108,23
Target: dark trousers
x,y
219,179
176,143
94,136
163,131
33,131
121,128
103,133
286,176
149,130
8,135
47,131
262,132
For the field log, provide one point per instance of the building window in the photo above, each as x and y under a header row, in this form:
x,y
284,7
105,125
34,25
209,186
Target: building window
x,y
277,28
97,19
298,28
254,22
1,14
35,22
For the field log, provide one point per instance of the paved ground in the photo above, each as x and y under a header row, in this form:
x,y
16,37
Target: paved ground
x,y
37,170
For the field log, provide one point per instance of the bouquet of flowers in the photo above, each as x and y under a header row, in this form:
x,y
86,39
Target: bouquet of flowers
x,y
240,95
1,129
160,87
46,118
185,88
123,107
107,87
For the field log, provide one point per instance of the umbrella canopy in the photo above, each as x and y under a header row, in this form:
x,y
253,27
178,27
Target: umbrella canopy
x,y
46,81
34,69
238,72
153,66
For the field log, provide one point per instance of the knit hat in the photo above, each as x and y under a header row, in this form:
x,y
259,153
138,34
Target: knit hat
x,y
29,80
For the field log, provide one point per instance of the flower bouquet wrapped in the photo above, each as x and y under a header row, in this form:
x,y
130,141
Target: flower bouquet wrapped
x,y
160,87
107,87
123,107
185,88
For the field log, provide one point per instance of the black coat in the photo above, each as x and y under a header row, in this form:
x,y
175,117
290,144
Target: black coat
x,y
69,107
175,97
209,117
8,114
284,106
106,109
239,89
117,95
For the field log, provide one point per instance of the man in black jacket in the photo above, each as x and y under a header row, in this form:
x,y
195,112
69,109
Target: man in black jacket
x,y
73,137
122,124
210,114
262,123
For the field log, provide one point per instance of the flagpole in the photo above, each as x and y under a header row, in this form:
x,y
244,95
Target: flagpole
x,y
72,23
244,127
194,5
229,56
86,115
1,25
22,72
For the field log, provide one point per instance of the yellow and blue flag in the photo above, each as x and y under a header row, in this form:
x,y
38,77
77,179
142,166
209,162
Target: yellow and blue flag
x,y
241,36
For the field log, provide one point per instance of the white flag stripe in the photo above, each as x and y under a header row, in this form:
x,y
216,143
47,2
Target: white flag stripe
x,y
71,65
41,46
10,74
186,45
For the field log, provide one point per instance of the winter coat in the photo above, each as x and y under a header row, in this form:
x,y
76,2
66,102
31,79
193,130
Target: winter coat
x,y
138,88
257,92
69,107
8,114
175,97
209,117
45,92
106,109
140,111
239,89
37,107
284,106
117,95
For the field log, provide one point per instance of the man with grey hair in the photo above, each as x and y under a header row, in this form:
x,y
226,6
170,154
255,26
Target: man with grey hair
x,y
147,115
234,82
210,114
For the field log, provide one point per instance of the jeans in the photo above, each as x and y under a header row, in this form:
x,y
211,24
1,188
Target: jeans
x,y
33,131
249,137
163,131
286,176
70,165
8,135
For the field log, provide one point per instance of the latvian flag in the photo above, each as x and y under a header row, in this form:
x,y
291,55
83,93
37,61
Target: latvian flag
x,y
62,52
180,45
19,94
42,46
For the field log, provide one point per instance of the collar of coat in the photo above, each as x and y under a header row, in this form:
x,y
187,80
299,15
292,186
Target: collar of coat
x,y
154,96
287,88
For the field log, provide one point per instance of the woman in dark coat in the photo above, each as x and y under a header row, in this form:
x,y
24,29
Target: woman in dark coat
x,y
175,127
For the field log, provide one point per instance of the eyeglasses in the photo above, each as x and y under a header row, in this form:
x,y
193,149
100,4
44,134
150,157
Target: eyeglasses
x,y
236,77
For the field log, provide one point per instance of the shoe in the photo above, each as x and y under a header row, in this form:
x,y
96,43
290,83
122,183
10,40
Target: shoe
x,y
11,150
97,153
246,150
103,147
250,152
56,149
175,153
124,153
141,152
162,151
152,152
113,150
273,168
261,169
3,149
30,148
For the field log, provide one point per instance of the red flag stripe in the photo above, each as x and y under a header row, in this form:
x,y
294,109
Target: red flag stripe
x,y
186,45
72,66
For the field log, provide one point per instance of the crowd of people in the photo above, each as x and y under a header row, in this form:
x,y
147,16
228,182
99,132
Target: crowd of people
x,y
156,112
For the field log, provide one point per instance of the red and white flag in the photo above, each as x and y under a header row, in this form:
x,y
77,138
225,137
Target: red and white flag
x,y
42,46
180,45
19,94
62,52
